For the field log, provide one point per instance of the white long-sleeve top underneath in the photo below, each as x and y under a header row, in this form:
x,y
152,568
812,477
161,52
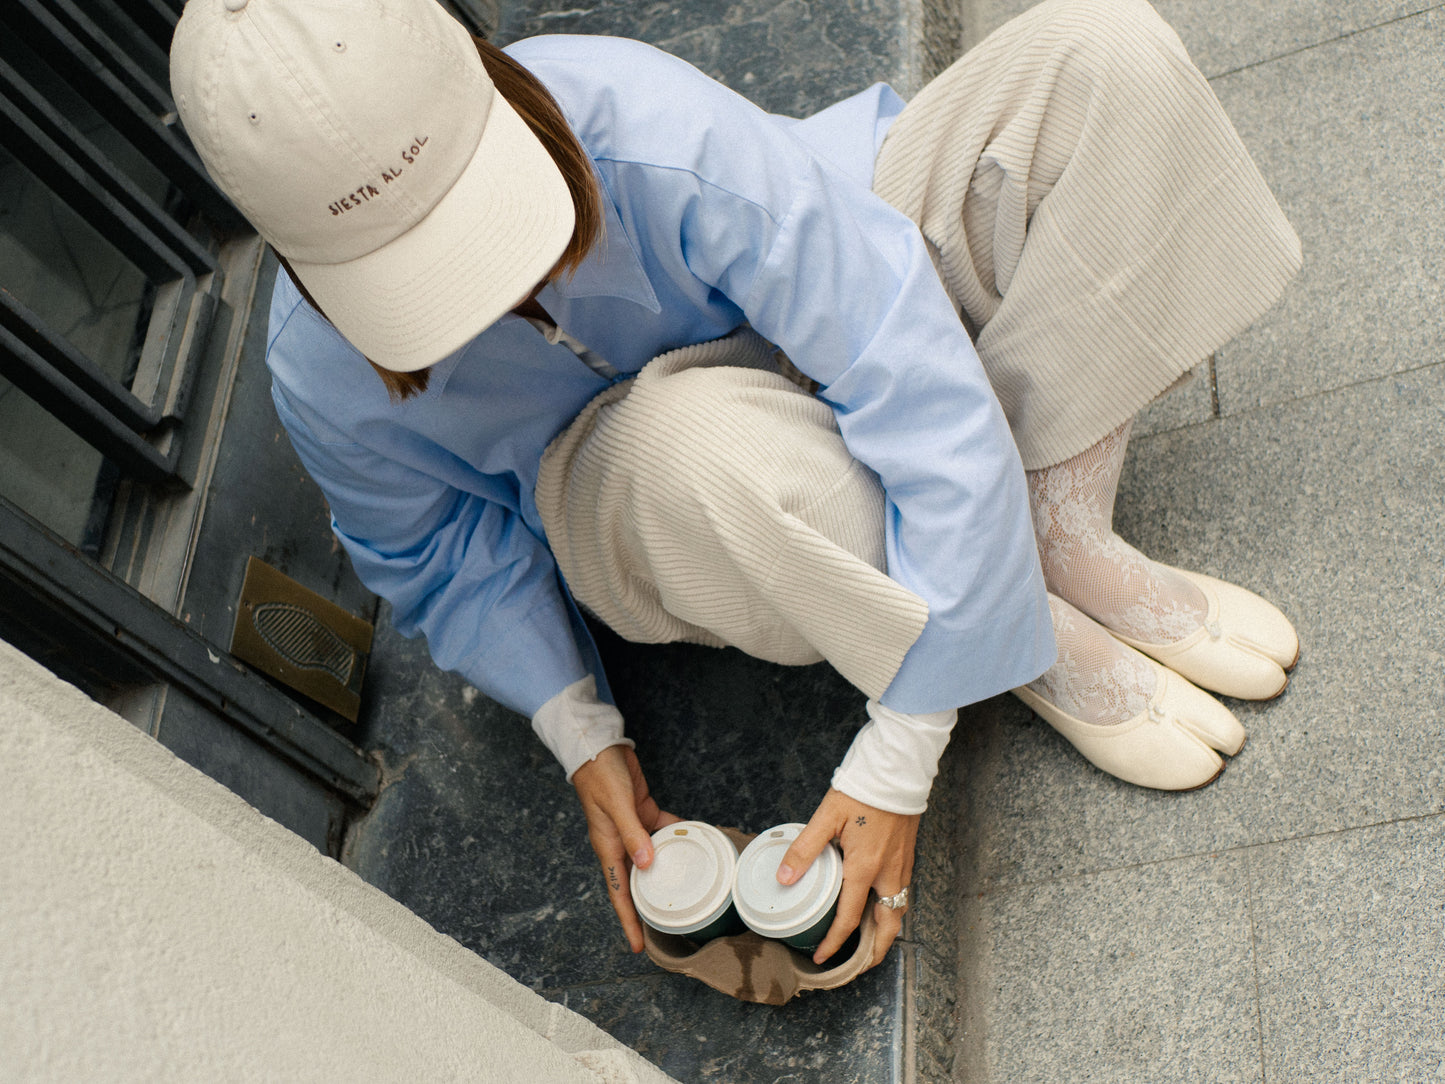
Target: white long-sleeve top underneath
x,y
575,725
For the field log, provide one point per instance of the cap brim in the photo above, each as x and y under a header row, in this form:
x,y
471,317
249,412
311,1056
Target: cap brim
x,y
482,249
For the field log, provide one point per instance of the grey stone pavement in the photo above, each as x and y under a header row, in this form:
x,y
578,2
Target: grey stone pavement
x,y
1286,923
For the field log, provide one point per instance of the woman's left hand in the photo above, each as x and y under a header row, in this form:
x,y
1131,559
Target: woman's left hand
x,y
877,854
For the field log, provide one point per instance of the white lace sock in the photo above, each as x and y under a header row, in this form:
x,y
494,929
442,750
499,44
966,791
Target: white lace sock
x,y
1090,566
1096,678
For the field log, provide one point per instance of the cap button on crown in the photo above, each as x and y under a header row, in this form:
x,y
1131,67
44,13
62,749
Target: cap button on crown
x,y
235,5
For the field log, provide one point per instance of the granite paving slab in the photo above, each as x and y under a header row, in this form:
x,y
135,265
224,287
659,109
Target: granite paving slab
x,y
1191,403
1331,508
1225,35
478,833
792,58
476,830
980,18
1349,930
928,951
1353,154
693,1033
1137,975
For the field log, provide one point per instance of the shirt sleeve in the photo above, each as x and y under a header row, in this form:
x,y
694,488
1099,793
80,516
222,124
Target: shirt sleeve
x,y
844,284
459,569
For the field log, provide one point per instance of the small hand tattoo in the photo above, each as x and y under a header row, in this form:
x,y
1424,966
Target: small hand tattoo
x,y
612,879
860,821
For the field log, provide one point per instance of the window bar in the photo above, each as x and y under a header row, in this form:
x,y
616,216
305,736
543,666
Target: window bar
x,y
155,19
83,416
86,376
110,97
131,39
108,200
90,162
84,195
157,98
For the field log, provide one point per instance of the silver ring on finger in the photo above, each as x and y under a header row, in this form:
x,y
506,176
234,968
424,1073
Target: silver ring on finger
x,y
896,902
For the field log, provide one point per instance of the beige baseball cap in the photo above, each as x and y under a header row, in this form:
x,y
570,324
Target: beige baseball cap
x,y
365,141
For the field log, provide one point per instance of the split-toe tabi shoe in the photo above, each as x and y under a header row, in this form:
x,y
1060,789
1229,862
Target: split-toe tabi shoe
x,y
1168,746
1244,649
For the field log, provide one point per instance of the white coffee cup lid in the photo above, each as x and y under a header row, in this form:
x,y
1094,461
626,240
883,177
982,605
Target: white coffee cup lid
x,y
690,880
776,910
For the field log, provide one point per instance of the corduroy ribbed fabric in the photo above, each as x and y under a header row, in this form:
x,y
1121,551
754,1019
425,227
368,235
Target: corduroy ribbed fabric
x,y
1102,229
1092,212
712,501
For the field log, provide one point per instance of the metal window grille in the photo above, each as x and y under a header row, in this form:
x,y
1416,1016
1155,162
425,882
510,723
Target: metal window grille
x,y
94,164
81,89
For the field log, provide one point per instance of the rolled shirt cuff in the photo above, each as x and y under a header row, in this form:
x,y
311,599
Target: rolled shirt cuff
x,y
575,725
894,757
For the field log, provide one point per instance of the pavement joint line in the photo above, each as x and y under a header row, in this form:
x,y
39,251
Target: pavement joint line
x,y
1327,41
1320,394
1254,969
1239,848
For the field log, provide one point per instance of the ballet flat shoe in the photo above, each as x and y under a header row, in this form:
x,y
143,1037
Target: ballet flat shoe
x,y
1244,649
1168,746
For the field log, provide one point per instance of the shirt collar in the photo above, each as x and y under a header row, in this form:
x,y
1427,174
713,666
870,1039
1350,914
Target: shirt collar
x,y
612,269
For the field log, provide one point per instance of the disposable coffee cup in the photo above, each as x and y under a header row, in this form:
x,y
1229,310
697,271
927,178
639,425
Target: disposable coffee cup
x,y
688,888
798,914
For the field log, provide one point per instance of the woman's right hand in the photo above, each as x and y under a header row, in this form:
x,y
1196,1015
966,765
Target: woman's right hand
x,y
621,817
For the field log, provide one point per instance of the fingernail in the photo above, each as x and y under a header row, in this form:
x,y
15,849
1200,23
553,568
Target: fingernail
x,y
785,875
640,857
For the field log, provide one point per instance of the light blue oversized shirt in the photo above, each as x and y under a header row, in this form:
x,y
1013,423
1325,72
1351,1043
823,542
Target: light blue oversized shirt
x,y
716,214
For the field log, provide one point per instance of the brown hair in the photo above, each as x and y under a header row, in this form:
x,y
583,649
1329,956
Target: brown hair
x,y
535,105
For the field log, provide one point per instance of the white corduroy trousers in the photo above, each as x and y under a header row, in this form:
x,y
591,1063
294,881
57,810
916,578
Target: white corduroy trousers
x,y
1101,229
1093,213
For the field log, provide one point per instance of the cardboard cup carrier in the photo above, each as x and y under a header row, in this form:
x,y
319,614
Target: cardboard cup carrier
x,y
680,889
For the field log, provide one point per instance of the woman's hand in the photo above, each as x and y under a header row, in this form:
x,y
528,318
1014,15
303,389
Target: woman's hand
x,y
877,854
621,817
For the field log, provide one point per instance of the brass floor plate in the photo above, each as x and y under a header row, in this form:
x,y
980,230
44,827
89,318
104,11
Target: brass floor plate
x,y
302,640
